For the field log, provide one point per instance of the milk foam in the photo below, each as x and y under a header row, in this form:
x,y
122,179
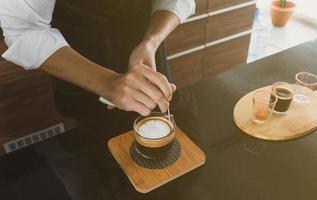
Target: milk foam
x,y
154,129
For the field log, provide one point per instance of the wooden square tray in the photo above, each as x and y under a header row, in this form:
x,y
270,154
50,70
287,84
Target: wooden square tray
x,y
145,180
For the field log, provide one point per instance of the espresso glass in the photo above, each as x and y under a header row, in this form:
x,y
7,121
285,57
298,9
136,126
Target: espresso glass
x,y
263,105
305,85
284,92
154,147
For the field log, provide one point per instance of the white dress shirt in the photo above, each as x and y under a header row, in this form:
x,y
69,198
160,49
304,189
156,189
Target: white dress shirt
x,y
30,38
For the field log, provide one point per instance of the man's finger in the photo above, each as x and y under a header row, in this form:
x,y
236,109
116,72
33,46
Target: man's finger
x,y
154,93
145,99
173,87
140,108
164,105
151,64
160,81
149,89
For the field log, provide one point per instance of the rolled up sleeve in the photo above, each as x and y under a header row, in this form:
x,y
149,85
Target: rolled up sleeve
x,y
181,8
27,31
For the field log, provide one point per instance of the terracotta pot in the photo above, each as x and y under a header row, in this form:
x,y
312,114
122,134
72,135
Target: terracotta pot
x,y
281,15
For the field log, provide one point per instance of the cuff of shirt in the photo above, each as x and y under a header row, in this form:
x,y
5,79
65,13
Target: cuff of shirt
x,y
31,49
182,9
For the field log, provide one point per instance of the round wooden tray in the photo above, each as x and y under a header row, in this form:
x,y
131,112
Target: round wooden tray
x,y
300,120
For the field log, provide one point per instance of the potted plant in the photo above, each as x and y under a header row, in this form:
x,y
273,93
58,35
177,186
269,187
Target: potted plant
x,y
281,11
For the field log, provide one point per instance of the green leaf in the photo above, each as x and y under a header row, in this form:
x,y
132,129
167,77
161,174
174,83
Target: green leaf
x,y
282,3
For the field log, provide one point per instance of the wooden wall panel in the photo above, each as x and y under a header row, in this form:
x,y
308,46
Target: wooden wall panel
x,y
186,69
186,36
201,7
26,102
214,5
225,55
229,23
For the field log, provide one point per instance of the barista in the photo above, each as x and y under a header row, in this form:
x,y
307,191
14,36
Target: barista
x,y
108,48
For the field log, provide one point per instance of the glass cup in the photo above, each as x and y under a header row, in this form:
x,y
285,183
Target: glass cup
x,y
263,105
154,135
305,85
284,93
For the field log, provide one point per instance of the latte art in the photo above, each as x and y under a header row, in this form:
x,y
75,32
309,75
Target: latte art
x,y
154,135
154,129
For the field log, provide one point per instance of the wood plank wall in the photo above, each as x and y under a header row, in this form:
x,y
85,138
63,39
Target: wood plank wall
x,y
200,47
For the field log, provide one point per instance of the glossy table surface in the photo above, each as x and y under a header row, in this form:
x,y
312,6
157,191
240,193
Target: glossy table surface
x,y
237,167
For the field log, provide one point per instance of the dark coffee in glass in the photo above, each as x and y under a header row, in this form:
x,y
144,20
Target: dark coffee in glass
x,y
154,135
284,93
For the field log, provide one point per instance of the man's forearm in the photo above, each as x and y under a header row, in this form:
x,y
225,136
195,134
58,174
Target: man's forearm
x,y
132,91
70,66
161,24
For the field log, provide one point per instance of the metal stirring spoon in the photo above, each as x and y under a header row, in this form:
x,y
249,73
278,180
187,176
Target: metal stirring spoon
x,y
111,105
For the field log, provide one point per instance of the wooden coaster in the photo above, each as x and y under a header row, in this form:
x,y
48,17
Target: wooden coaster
x,y
145,180
300,120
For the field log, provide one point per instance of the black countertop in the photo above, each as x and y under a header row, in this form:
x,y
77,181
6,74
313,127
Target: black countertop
x,y
237,166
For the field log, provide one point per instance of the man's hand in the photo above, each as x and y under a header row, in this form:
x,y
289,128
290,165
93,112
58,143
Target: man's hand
x,y
144,53
141,89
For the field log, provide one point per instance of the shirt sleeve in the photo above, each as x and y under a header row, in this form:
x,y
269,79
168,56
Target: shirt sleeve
x,y
182,8
28,33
